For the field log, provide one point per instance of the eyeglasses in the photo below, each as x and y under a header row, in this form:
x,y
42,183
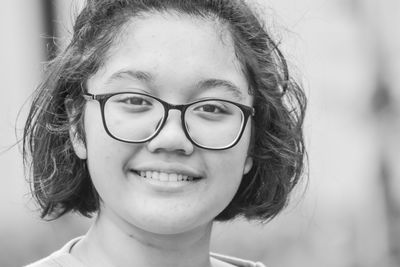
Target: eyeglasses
x,y
214,124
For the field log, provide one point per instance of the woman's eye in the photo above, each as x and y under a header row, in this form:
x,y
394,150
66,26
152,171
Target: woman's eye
x,y
137,101
211,108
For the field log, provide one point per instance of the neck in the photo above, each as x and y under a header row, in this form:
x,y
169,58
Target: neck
x,y
116,243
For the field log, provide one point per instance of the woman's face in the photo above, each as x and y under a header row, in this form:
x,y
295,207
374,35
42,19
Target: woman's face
x,y
166,56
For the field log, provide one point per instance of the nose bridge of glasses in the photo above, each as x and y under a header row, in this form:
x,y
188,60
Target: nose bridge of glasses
x,y
169,106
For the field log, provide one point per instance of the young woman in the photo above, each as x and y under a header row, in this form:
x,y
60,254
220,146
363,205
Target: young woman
x,y
161,117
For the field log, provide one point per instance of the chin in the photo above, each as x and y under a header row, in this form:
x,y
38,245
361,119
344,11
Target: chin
x,y
172,224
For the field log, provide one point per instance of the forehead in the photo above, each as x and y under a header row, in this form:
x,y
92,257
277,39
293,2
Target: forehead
x,y
161,25
162,33
172,48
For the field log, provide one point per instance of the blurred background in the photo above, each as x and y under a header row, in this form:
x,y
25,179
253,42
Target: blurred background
x,y
346,53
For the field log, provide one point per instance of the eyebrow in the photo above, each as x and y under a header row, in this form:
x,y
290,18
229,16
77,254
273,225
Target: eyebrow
x,y
202,85
138,75
213,83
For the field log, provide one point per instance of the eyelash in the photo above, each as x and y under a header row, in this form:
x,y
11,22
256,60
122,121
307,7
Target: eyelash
x,y
129,101
214,106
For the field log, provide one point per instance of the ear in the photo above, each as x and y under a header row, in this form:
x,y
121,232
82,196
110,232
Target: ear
x,y
77,143
248,164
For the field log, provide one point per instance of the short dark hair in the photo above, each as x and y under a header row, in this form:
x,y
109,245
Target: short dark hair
x,y
60,181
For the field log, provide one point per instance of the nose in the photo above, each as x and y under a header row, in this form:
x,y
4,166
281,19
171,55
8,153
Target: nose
x,y
172,137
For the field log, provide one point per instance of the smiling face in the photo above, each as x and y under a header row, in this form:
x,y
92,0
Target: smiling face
x,y
150,186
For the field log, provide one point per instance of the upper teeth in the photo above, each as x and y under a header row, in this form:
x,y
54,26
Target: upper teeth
x,y
165,177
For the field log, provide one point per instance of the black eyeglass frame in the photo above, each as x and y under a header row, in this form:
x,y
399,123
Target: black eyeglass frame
x,y
102,99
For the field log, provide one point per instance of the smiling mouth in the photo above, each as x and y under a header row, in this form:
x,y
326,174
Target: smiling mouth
x,y
166,177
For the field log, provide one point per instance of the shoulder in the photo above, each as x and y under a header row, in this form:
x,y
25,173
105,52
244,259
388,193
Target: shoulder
x,y
59,258
234,261
49,261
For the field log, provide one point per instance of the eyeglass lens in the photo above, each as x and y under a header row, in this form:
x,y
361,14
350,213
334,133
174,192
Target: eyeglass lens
x,y
136,118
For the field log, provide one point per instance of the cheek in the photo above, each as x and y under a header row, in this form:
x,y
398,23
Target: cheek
x,y
105,156
227,167
100,146
225,175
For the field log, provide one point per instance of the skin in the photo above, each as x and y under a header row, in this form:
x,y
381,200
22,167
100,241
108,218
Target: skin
x,y
141,223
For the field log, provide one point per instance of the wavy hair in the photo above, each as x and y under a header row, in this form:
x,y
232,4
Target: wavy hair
x,y
60,181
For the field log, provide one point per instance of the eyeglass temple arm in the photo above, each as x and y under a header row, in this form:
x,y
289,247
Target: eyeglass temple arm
x,y
87,96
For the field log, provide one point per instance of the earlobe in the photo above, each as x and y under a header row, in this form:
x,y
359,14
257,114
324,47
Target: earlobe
x,y
248,164
78,144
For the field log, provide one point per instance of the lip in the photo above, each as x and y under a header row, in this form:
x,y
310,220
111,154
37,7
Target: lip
x,y
169,168
165,188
